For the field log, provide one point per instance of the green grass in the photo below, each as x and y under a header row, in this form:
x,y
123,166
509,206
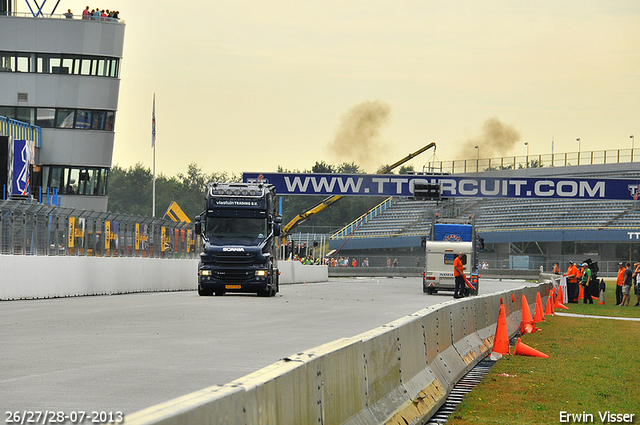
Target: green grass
x,y
593,366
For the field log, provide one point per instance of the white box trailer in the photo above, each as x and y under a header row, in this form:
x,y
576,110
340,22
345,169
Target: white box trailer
x,y
438,272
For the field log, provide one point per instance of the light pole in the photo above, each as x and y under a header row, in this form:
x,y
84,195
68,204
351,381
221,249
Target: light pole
x,y
477,158
633,143
527,145
579,146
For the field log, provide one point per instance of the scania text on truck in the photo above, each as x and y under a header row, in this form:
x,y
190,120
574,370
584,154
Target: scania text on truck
x,y
239,230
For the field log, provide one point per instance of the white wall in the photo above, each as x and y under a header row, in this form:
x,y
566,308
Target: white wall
x,y
26,276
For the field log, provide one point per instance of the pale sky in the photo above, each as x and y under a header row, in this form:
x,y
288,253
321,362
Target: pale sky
x,y
251,85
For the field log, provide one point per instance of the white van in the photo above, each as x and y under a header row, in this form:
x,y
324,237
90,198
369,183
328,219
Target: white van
x,y
438,271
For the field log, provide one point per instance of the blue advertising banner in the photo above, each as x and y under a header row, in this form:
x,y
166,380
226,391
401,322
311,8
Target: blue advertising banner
x,y
22,159
450,186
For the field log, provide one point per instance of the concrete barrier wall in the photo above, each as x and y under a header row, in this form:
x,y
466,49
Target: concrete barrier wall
x,y
398,373
27,277
417,271
296,272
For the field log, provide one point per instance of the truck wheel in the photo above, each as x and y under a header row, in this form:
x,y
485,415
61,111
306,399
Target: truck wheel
x,y
204,293
426,290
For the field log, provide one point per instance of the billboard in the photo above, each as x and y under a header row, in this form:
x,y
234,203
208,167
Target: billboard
x,y
21,157
450,186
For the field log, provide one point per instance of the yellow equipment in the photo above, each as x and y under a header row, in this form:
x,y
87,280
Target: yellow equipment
x,y
332,199
176,214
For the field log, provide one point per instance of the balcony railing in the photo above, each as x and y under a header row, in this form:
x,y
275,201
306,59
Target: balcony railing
x,y
533,161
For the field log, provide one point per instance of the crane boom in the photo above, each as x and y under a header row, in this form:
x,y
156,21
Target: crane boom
x,y
332,199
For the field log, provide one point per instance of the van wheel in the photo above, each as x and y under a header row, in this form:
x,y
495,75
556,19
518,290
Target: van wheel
x,y
219,293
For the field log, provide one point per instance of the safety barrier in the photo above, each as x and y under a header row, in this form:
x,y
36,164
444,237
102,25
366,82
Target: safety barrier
x,y
296,272
398,373
31,277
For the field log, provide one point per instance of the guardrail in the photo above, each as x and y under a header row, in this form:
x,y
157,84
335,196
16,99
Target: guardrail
x,y
398,373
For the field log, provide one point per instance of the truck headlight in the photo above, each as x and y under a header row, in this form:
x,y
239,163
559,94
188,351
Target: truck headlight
x,y
261,273
205,272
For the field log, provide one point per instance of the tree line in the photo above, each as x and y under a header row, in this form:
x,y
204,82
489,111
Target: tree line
x,y
130,192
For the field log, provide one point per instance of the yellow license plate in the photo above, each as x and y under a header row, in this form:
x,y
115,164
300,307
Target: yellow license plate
x,y
232,286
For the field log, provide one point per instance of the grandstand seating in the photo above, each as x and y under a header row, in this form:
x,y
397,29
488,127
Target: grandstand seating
x,y
407,217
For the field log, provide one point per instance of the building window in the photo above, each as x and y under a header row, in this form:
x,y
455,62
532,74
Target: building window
x,y
82,119
47,63
65,118
23,63
45,117
7,62
27,115
88,181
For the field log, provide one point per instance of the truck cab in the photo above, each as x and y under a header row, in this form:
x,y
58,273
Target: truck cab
x,y
239,229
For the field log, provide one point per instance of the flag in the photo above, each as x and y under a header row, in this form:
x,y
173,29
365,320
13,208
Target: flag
x,y
153,123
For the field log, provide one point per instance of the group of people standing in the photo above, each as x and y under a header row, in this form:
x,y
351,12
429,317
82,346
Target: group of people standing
x,y
580,276
97,14
627,277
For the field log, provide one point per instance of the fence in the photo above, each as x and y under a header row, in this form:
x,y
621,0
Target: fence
x,y
37,229
614,156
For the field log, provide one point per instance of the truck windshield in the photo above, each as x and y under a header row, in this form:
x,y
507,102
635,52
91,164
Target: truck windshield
x,y
245,229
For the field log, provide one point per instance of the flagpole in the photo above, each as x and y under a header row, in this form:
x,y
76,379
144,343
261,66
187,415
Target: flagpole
x,y
153,145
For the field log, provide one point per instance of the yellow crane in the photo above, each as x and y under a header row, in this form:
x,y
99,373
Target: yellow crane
x,y
333,199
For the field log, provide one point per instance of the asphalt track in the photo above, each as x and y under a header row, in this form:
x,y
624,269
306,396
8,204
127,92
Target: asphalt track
x,y
128,352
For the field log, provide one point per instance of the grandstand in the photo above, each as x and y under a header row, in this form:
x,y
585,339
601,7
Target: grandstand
x,y
542,231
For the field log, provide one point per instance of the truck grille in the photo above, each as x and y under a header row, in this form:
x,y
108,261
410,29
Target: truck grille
x,y
234,275
233,259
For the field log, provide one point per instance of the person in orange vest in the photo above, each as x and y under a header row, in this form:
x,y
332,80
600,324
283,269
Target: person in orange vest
x,y
556,268
619,282
573,289
354,263
458,275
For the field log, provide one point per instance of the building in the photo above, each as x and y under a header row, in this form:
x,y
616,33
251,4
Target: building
x,y
63,75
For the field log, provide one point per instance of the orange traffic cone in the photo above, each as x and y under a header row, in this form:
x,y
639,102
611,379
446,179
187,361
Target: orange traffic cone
x,y
527,325
581,293
558,303
501,339
523,349
559,298
513,297
539,313
549,308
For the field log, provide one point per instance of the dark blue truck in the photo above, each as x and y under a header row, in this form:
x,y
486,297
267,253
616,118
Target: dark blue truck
x,y
239,229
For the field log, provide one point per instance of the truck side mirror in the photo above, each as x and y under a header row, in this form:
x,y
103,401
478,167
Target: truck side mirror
x,y
276,228
198,228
